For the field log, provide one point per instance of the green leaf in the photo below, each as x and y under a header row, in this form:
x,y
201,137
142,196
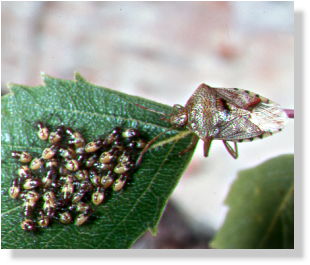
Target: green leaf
x,y
93,111
261,208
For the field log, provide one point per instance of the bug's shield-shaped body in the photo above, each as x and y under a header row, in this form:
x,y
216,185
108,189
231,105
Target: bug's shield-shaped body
x,y
228,114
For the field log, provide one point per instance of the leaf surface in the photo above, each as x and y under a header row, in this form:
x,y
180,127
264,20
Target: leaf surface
x,y
261,208
93,111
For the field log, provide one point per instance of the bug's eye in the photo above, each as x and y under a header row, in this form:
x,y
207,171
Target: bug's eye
x,y
179,120
178,108
179,116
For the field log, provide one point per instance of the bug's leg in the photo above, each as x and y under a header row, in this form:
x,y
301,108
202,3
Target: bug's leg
x,y
148,145
191,146
231,151
206,146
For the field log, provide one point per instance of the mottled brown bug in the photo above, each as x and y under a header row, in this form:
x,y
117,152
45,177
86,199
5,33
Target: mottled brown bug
x,y
227,114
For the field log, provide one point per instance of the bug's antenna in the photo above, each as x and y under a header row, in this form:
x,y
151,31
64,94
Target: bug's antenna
x,y
148,145
164,115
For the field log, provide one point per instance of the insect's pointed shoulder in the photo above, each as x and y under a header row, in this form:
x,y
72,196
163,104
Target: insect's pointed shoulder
x,y
204,89
203,86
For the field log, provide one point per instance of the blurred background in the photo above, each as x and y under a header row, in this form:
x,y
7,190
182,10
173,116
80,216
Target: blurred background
x,y
163,51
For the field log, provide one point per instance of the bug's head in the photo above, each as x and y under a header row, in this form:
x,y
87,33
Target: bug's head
x,y
178,117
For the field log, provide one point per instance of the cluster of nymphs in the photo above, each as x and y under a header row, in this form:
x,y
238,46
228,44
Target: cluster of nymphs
x,y
71,177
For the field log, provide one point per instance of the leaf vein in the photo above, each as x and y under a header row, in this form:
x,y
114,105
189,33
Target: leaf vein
x,y
277,214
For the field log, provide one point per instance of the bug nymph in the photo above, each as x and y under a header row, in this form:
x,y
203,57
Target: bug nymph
x,y
67,190
94,177
50,152
78,196
24,172
108,156
130,133
28,207
89,162
67,152
49,196
120,182
82,174
81,219
138,144
102,167
107,180
31,196
97,196
43,220
85,186
124,157
65,218
114,135
227,114
121,168
43,131
28,225
49,178
56,136
82,207
51,164
36,163
76,138
93,146
49,208
31,183
14,190
23,157
72,164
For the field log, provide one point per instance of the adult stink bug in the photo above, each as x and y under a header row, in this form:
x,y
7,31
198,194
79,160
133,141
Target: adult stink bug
x,y
227,114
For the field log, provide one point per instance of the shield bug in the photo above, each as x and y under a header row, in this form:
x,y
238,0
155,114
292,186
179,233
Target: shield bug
x,y
227,114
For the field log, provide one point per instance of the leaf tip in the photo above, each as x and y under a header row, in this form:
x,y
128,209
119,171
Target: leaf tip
x,y
78,77
10,85
44,76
